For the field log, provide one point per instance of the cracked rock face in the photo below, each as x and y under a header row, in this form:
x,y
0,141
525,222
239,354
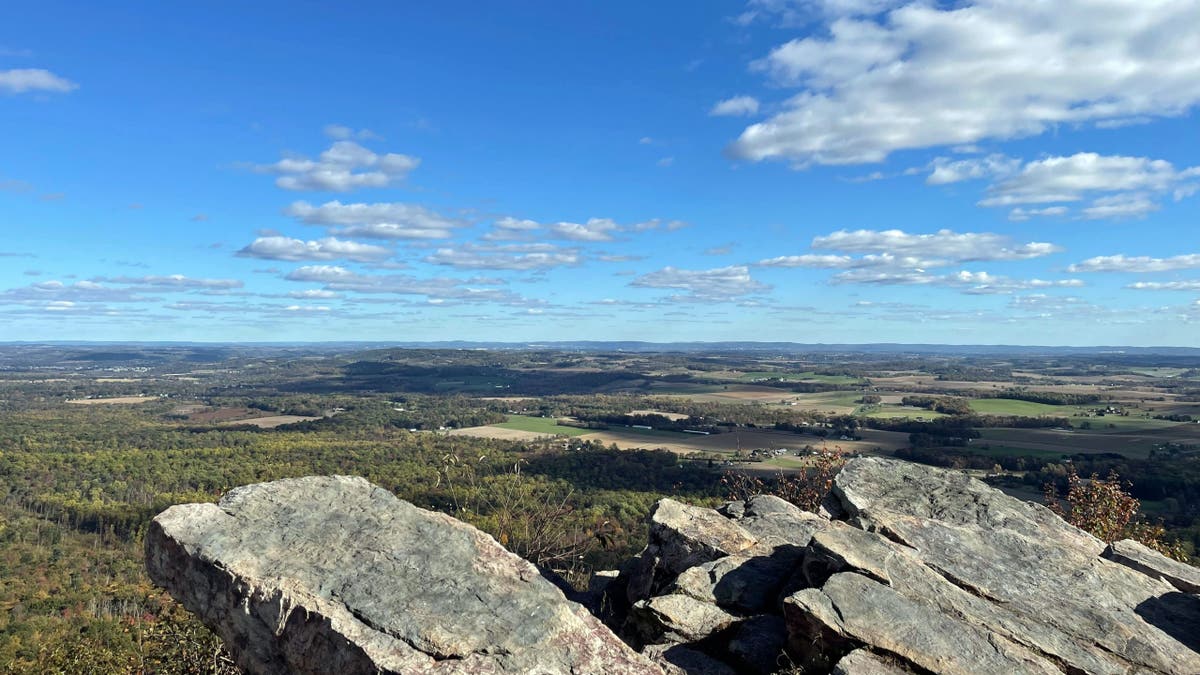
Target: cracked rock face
x,y
333,574
913,569
908,569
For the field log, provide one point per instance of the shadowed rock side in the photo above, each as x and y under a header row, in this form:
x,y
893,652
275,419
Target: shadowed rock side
x,y
909,569
335,575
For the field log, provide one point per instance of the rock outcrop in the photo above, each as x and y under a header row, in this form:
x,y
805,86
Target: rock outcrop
x,y
335,575
908,569
911,569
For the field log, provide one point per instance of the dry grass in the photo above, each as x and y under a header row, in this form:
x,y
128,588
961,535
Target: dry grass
x,y
499,433
747,439
669,415
123,400
272,421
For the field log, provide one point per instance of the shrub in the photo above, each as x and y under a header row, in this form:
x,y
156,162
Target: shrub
x,y
1106,510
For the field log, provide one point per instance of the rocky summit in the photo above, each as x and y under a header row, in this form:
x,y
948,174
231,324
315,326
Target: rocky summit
x,y
907,569
335,575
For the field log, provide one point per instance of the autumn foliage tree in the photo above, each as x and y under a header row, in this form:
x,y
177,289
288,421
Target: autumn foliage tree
x,y
1106,509
805,488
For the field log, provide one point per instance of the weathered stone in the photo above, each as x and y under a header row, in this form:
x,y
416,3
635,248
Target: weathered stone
x,y
333,574
774,521
677,618
682,660
758,644
682,536
863,611
864,662
741,583
1154,564
1034,578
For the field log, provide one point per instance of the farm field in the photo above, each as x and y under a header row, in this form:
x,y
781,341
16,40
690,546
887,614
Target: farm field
x,y
498,433
539,425
669,415
747,439
895,411
731,393
1005,406
1079,441
791,377
113,400
272,421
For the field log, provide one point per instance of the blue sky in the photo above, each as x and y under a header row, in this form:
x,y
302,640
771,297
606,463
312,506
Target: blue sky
x,y
1001,171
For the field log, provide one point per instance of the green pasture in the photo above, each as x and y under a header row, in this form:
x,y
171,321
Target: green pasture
x,y
541,425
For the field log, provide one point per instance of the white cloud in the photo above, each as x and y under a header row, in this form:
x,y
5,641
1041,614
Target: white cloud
x,y
22,80
512,229
385,220
974,283
715,285
934,74
329,248
445,290
510,257
1123,263
1189,285
595,229
345,166
953,246
313,294
1134,205
738,106
946,170
174,281
1069,179
1020,213
665,162
77,292
844,262
342,133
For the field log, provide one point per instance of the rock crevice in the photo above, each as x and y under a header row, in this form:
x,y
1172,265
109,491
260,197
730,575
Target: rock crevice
x,y
908,569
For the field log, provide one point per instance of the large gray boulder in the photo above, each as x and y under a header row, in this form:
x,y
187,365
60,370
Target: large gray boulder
x,y
335,575
917,569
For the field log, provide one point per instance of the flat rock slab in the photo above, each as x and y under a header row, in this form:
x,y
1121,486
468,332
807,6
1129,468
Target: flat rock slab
x,y
1045,584
333,574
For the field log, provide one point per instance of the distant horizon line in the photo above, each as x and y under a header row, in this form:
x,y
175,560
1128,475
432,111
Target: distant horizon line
x,y
764,344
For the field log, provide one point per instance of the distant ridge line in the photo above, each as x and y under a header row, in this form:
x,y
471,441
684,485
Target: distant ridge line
x,y
645,346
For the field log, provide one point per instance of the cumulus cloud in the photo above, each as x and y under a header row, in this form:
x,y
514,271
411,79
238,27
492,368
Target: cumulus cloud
x,y
329,248
943,244
439,290
384,220
973,283
946,170
345,166
738,106
935,74
722,284
1021,213
1071,178
76,292
314,294
1119,186
1189,285
174,281
1120,206
507,257
23,80
1123,263
595,229
340,132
